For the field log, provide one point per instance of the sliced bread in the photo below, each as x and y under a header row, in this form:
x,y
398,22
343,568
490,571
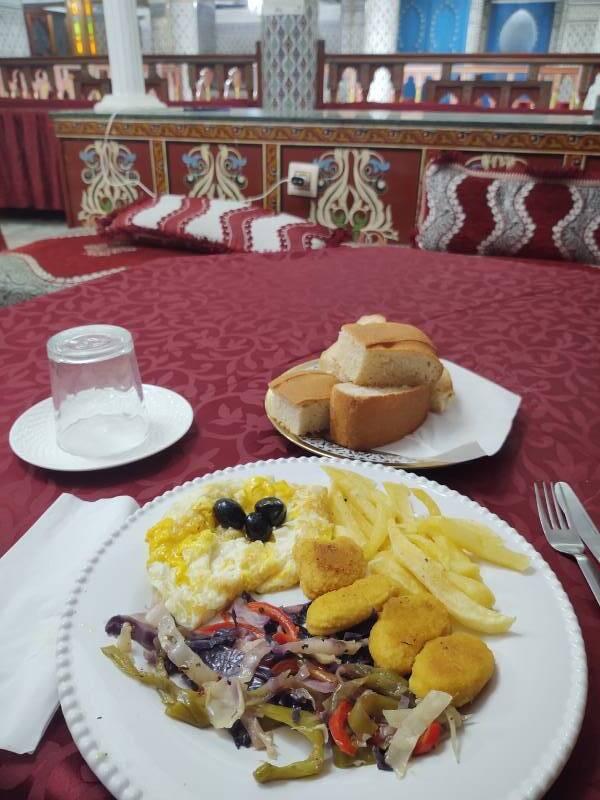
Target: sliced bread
x,y
300,400
368,319
384,354
363,418
442,393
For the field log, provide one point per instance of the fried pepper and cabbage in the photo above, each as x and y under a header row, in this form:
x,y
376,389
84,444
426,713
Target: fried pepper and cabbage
x,y
369,670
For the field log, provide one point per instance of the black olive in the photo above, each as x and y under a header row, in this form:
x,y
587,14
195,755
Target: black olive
x,y
273,509
229,514
258,527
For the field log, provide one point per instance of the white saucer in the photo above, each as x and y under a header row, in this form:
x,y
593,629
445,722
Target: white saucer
x,y
33,435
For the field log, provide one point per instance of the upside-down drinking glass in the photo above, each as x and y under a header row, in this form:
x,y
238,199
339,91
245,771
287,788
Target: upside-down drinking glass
x,y
96,390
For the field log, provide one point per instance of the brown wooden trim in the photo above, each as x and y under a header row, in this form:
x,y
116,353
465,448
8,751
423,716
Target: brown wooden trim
x,y
213,58
320,76
158,161
271,161
352,59
458,138
258,61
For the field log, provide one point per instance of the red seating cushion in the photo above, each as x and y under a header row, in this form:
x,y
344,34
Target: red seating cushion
x,y
215,226
509,213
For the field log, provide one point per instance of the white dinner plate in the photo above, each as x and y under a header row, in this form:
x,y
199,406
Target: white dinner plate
x,y
521,731
33,435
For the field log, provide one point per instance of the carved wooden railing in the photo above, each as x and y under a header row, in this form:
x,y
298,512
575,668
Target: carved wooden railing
x,y
481,79
173,78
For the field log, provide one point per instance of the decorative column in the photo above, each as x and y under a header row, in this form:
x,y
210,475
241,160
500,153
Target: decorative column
x,y
474,26
13,31
193,26
289,56
160,23
125,58
207,26
184,27
382,18
353,26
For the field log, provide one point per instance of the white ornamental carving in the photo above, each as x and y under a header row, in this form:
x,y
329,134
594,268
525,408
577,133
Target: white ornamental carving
x,y
219,176
111,180
351,183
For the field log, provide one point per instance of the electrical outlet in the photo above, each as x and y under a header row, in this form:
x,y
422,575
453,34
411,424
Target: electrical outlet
x,y
303,179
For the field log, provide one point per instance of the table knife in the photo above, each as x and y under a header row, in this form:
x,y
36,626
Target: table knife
x,y
579,517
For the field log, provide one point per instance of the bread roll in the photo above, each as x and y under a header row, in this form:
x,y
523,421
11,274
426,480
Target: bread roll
x,y
363,418
384,354
300,400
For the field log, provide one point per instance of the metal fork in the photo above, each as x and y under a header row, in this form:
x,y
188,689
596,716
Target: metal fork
x,y
562,536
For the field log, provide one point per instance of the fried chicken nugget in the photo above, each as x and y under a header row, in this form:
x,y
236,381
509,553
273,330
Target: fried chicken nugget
x,y
460,664
325,565
343,608
404,626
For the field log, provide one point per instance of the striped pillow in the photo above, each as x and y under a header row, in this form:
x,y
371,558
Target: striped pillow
x,y
215,226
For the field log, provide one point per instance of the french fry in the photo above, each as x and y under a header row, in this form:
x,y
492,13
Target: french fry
x,y
350,481
386,564
435,578
430,548
400,497
379,531
429,503
342,515
476,590
459,560
477,539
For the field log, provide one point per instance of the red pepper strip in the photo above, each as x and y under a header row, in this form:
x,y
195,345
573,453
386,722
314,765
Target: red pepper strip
x,y
290,664
339,730
221,626
428,740
289,631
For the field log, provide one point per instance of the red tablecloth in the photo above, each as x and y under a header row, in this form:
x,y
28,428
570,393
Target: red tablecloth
x,y
29,160
217,328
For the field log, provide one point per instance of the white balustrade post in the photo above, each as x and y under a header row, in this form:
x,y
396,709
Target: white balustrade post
x,y
125,57
382,18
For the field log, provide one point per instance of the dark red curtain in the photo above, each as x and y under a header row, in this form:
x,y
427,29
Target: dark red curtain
x,y
29,160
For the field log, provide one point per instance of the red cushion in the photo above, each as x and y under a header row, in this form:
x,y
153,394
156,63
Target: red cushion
x,y
215,226
509,213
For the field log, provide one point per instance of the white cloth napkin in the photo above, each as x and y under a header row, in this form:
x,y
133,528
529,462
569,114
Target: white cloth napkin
x,y
36,576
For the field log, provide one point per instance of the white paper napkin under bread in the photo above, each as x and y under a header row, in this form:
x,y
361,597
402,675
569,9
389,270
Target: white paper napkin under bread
x,y
476,422
36,576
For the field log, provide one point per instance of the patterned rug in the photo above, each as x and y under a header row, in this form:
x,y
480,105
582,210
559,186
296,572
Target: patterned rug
x,y
53,264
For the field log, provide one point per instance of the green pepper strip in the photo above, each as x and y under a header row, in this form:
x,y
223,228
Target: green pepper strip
x,y
310,727
382,681
364,755
369,705
180,704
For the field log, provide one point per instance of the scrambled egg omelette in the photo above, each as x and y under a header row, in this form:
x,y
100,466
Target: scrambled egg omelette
x,y
198,568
